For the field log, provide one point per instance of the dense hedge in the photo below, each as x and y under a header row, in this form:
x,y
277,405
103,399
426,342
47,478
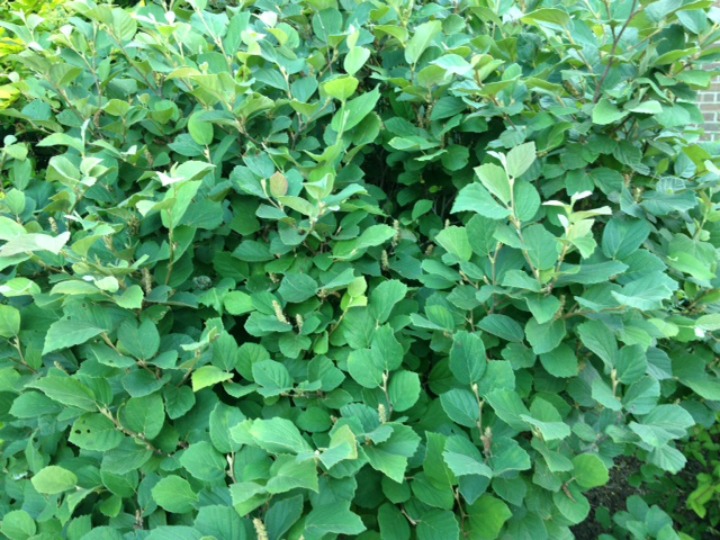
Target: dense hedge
x,y
379,269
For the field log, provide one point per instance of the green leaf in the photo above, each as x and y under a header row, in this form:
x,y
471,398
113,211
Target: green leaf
x,y
222,419
287,473
438,525
552,16
464,459
9,321
141,341
455,241
237,303
560,362
144,415
355,59
621,238
503,327
66,391
272,376
509,408
18,525
362,368
598,338
278,435
95,432
486,518
297,288
66,333
384,298
423,36
545,337
207,376
467,357
527,200
203,462
332,519
53,480
221,522
520,158
393,525
475,198
341,88
496,181
282,515
200,129
391,456
404,389
461,406
574,507
605,113
355,111
541,246
590,471
175,494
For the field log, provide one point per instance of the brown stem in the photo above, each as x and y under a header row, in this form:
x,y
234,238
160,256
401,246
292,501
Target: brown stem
x,y
616,41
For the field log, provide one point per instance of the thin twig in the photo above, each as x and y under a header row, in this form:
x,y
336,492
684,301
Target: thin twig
x,y
616,41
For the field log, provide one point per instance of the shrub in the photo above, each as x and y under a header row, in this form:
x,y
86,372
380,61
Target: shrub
x,y
309,268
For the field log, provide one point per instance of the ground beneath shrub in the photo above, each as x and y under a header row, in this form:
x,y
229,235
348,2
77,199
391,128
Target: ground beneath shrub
x,y
611,496
615,493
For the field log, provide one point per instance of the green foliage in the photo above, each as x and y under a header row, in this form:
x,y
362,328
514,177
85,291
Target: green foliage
x,y
320,268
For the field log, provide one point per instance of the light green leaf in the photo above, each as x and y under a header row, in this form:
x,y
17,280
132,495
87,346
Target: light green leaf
x,y
475,198
175,494
9,321
53,480
355,59
605,113
341,88
590,471
237,303
207,376
278,435
18,525
455,241
423,35
520,158
495,180
32,242
200,129
552,16
355,110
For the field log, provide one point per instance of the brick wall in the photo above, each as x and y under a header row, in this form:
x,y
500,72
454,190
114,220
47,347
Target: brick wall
x,y
710,106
